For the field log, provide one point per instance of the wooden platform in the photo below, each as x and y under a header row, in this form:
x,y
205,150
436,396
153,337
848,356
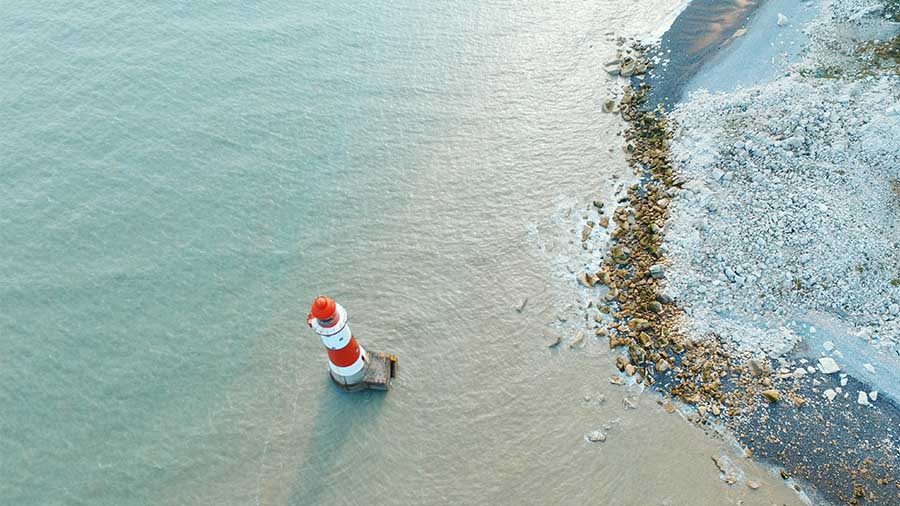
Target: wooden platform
x,y
381,369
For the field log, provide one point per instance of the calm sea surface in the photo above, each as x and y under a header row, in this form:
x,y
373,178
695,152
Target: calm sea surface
x,y
179,180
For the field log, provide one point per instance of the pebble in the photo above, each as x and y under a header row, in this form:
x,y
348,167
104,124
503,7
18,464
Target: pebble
x,y
771,395
578,341
657,271
730,274
596,437
829,394
663,298
862,399
828,366
755,368
521,306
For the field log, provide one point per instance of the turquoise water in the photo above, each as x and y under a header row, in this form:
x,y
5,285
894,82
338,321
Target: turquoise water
x,y
178,183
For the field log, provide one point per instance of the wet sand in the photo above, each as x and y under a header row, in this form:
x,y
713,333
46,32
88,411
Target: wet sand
x,y
696,35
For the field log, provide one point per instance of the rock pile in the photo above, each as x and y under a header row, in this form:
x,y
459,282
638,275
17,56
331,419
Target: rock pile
x,y
788,210
629,61
645,317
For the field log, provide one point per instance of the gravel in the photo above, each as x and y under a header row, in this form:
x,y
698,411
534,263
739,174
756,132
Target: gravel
x,y
789,205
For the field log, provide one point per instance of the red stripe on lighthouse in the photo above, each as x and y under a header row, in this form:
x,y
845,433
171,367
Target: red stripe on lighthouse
x,y
345,356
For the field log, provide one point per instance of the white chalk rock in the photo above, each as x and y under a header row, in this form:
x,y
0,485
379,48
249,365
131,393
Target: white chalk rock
x,y
828,345
862,399
596,437
869,367
873,395
829,394
782,19
828,366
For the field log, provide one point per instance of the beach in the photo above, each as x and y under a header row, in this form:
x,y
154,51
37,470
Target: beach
x,y
752,272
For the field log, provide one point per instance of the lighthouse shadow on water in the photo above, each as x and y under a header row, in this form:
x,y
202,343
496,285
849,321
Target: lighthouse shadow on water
x,y
351,368
320,466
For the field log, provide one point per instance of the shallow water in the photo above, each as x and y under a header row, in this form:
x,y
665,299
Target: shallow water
x,y
178,185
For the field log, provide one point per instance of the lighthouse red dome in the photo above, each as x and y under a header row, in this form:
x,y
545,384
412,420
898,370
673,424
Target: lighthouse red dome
x,y
323,307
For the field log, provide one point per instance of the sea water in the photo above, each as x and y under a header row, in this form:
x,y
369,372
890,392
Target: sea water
x,y
179,180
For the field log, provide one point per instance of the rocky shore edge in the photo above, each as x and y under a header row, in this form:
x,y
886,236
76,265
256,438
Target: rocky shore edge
x,y
722,386
644,321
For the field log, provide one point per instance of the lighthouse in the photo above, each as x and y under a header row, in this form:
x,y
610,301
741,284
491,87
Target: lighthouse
x,y
350,366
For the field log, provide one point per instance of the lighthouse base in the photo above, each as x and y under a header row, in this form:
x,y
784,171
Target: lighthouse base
x,y
381,368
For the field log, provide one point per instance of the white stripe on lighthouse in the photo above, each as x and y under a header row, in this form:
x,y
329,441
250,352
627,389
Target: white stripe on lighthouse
x,y
350,369
337,336
340,339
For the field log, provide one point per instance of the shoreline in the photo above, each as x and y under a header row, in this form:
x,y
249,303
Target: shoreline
x,y
700,32
771,394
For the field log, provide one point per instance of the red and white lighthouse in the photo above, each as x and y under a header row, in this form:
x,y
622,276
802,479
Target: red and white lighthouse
x,y
351,367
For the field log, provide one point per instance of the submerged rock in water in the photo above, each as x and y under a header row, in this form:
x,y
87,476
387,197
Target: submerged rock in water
x,y
586,231
578,341
596,437
588,279
522,305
